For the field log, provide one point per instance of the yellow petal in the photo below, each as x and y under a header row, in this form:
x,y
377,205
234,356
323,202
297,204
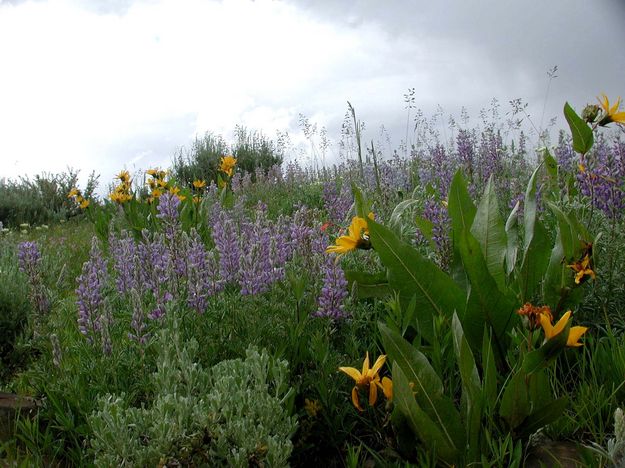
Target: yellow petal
x,y
387,387
365,365
574,336
545,322
378,364
373,393
355,400
353,373
557,329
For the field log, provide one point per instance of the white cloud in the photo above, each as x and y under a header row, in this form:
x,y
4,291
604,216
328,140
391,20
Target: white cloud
x,y
98,88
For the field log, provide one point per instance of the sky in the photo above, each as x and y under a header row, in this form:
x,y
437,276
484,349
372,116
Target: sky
x,y
105,85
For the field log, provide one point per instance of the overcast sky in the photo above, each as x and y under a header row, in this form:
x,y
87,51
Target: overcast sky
x,y
105,85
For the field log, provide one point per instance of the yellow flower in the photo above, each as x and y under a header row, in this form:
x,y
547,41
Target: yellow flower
x,y
198,184
84,204
357,238
124,177
550,330
312,407
582,268
152,172
386,385
72,193
368,379
197,199
227,165
612,113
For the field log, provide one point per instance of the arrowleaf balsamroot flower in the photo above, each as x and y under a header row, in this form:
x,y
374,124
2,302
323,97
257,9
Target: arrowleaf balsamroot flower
x,y
368,379
612,113
227,165
357,238
550,330
582,268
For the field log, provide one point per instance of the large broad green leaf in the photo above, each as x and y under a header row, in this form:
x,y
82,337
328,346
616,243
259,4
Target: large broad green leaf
x,y
486,303
414,364
363,207
432,434
489,372
537,249
512,234
488,229
368,285
410,274
515,404
554,284
542,416
471,389
583,138
464,211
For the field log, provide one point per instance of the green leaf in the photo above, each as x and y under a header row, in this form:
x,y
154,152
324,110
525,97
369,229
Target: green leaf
x,y
489,378
515,405
464,212
486,304
537,249
413,363
362,205
583,138
471,389
550,164
411,274
488,229
394,221
512,234
543,416
555,278
368,285
430,433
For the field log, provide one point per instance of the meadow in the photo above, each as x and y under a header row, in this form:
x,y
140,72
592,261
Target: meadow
x,y
458,302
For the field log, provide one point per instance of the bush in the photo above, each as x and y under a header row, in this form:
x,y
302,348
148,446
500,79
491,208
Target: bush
x,y
42,199
230,415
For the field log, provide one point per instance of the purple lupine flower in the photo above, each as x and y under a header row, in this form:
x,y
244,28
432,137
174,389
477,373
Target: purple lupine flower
x,y
435,212
336,202
236,182
138,321
564,153
29,260
603,178
124,252
90,292
226,239
28,256
168,214
202,281
490,155
333,291
256,270
157,272
168,204
465,147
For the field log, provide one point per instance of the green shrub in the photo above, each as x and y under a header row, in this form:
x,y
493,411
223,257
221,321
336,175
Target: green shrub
x,y
230,415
